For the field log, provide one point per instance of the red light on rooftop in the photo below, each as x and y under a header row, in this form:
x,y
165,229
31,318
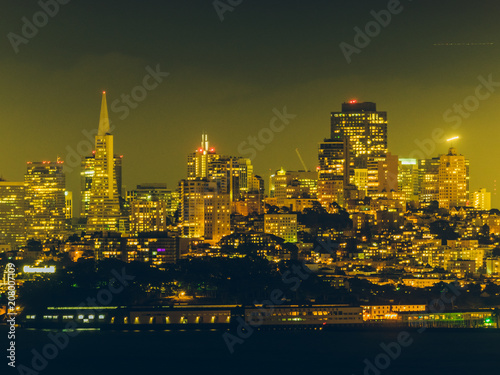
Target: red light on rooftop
x,y
353,101
212,149
200,150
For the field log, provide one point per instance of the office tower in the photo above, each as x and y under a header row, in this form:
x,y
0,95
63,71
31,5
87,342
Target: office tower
x,y
364,127
148,215
453,180
45,199
281,225
334,159
204,213
232,175
153,207
217,223
257,185
386,178
156,191
197,166
292,184
87,174
428,180
12,214
334,169
104,206
68,198
408,178
481,199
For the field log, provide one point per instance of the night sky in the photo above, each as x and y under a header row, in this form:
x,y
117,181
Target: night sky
x,y
227,77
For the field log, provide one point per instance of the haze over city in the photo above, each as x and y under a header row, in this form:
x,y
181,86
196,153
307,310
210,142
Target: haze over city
x,y
227,77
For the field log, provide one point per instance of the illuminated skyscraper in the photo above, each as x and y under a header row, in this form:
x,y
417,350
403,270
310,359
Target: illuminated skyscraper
x,y
152,207
233,175
205,213
198,161
12,214
334,171
104,206
87,174
334,159
453,180
408,178
428,180
45,199
364,127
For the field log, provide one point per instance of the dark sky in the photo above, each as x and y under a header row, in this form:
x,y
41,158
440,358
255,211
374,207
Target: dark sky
x,y
227,77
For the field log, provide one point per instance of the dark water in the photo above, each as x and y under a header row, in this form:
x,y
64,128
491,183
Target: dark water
x,y
276,352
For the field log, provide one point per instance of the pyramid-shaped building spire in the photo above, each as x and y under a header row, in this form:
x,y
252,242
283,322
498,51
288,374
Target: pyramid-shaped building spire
x,y
104,119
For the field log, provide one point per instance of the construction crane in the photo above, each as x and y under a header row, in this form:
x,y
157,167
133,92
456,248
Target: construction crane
x,y
301,160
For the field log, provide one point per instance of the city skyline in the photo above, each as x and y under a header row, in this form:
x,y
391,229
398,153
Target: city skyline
x,y
219,91
264,186
82,194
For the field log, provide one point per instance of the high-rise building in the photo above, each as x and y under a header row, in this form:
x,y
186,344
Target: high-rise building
x,y
45,200
148,215
453,180
87,174
156,191
205,213
408,181
387,174
104,205
197,166
152,207
292,184
364,127
12,214
481,199
233,175
68,196
428,170
334,160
